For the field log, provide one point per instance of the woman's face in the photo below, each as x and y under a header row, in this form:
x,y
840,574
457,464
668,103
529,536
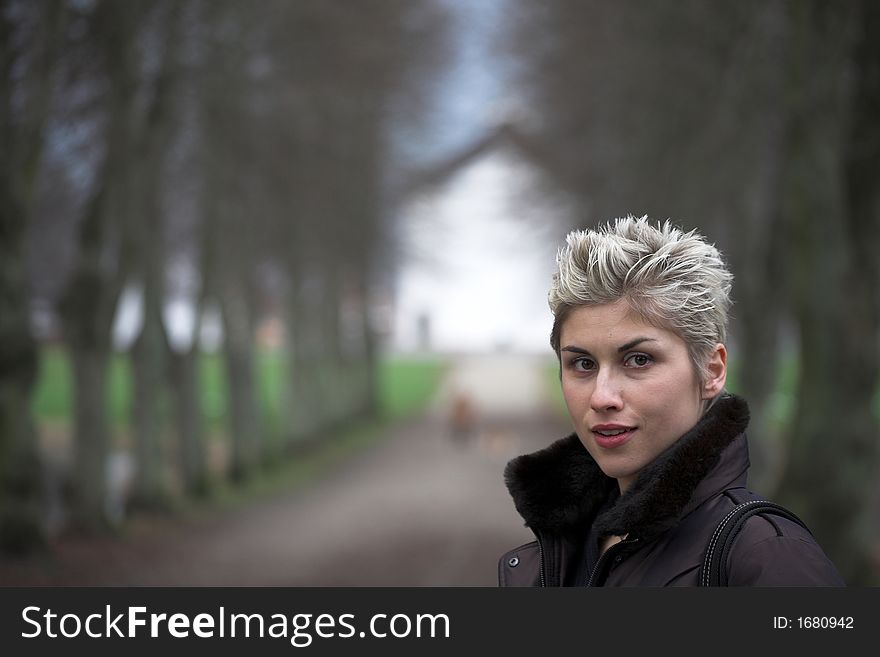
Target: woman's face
x,y
630,387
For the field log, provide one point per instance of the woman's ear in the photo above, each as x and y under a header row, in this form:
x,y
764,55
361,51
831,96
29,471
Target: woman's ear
x,y
716,372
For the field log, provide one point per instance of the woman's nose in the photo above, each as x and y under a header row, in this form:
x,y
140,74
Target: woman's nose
x,y
606,393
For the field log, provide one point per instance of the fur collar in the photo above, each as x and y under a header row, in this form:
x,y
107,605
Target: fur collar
x,y
560,489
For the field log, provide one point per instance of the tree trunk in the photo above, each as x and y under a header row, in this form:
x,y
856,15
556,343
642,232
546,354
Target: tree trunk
x,y
239,355
150,353
832,444
862,224
22,135
369,406
20,476
761,240
190,424
92,437
21,526
303,401
88,304
148,357
333,376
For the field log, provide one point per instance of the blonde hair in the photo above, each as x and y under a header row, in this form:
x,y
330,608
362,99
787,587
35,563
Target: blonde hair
x,y
673,279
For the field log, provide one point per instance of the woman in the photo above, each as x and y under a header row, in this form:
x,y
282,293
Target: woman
x,y
659,454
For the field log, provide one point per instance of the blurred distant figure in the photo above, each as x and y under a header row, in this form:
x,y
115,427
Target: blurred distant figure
x,y
120,473
463,419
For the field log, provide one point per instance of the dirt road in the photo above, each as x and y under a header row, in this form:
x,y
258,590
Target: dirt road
x,y
418,509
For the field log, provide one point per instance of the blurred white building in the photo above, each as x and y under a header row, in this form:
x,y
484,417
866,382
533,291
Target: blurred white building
x,y
480,252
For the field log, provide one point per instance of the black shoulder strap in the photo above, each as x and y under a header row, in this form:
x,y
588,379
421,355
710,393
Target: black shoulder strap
x,y
715,563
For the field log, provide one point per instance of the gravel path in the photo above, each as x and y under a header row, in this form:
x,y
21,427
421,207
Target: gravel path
x,y
418,509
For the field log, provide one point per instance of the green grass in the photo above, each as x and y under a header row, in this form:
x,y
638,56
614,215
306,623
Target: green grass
x,y
214,391
554,389
270,389
405,386
52,397
119,390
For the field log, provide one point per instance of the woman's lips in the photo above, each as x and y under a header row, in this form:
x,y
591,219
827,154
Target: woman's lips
x,y
610,442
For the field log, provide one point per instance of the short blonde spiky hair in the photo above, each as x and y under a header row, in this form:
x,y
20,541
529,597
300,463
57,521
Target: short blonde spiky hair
x,y
673,279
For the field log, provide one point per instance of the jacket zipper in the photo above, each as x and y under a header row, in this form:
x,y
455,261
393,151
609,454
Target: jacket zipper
x,y
605,555
541,560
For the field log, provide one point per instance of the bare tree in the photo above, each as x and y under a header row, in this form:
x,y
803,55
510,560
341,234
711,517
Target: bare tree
x,y
103,258
29,45
278,141
150,349
832,214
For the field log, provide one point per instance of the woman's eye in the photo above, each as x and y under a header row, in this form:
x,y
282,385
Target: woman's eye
x,y
583,364
637,360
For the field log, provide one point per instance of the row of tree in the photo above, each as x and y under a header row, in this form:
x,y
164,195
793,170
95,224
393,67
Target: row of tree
x,y
231,157
759,123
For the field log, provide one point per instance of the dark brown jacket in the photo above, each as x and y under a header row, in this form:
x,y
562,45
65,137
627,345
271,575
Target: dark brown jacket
x,y
668,515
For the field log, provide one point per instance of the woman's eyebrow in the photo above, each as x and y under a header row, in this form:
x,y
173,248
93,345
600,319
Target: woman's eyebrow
x,y
633,343
628,345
